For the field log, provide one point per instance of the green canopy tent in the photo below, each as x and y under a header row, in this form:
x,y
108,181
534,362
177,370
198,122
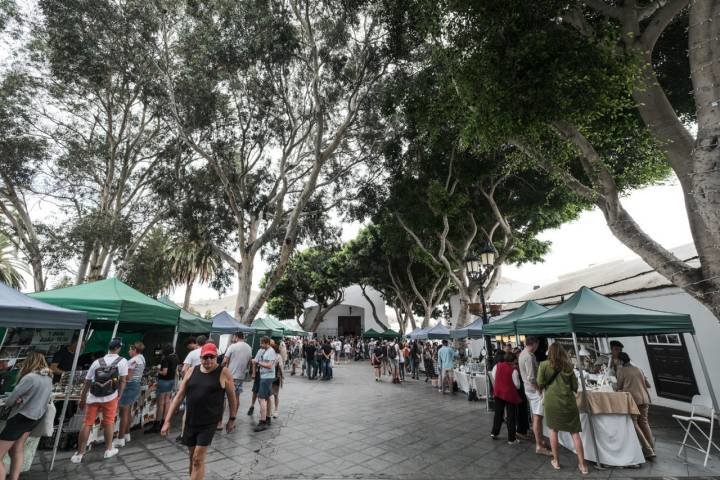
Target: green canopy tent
x,y
506,325
390,334
187,322
287,330
113,301
372,334
589,313
264,326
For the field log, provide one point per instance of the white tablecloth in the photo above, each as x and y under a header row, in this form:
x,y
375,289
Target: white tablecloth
x,y
616,440
475,381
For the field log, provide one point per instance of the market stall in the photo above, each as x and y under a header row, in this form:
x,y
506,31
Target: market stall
x,y
469,380
286,330
506,325
590,314
414,334
18,311
390,334
115,309
438,332
188,323
612,417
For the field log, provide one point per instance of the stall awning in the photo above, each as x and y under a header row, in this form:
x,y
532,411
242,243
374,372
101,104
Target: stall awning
x,y
506,325
189,322
112,300
414,334
20,310
438,332
472,330
269,321
590,313
372,334
389,333
223,322
265,326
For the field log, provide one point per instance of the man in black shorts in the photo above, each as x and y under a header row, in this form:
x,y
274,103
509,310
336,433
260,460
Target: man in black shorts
x,y
205,387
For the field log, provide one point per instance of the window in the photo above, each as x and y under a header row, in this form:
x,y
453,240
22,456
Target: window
x,y
663,339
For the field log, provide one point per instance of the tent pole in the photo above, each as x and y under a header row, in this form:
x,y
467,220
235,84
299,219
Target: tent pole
x,y
585,403
487,374
115,329
711,390
175,335
68,390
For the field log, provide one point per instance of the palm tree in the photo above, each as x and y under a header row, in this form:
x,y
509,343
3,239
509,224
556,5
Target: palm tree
x,y
11,267
191,261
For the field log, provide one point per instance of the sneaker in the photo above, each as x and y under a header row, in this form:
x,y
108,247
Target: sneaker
x,y
493,436
260,427
251,410
77,458
275,415
513,442
118,442
268,422
127,437
110,453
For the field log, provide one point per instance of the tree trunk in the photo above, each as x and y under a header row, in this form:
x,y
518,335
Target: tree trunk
x,y
242,303
35,261
82,268
373,308
188,293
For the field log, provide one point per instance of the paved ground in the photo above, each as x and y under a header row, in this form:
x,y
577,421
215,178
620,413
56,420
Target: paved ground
x,y
353,428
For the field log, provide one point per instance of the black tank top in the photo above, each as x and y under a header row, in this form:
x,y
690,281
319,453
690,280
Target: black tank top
x,y
205,397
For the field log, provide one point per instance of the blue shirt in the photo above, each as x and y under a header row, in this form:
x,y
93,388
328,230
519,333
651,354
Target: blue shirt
x,y
268,356
446,355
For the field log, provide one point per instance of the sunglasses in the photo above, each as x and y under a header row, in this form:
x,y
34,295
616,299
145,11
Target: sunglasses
x,y
208,357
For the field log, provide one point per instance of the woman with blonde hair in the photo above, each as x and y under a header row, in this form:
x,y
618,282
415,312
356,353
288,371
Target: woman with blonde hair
x,y
29,402
556,379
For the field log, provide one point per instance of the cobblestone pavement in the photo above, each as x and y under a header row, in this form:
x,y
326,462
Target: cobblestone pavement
x,y
354,428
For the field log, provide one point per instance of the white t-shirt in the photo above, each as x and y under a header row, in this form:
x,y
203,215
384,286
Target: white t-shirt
x,y
122,371
347,348
137,365
238,355
400,353
193,358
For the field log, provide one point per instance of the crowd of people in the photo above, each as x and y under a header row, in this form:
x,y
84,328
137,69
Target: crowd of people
x,y
527,394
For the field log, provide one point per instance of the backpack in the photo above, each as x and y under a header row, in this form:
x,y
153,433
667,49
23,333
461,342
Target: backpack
x,y
106,378
392,352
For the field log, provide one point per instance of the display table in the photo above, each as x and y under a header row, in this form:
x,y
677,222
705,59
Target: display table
x,y
612,417
475,381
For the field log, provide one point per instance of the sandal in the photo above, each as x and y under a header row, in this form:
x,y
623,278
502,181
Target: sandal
x,y
583,471
555,465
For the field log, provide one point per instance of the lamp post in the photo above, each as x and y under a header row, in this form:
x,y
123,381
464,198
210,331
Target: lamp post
x,y
479,266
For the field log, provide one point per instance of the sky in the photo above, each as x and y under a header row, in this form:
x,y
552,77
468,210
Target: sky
x,y
658,209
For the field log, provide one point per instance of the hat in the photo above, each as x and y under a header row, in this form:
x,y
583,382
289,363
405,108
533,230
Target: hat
x,y
208,349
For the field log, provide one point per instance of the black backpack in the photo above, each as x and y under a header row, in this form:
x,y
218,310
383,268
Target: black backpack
x,y
106,379
392,352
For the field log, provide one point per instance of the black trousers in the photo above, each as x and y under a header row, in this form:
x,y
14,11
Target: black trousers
x,y
508,410
523,414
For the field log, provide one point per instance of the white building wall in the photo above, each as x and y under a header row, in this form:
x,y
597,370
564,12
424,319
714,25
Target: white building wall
x,y
707,331
354,304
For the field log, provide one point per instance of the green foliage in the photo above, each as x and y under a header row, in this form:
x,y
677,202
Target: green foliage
x,y
150,269
11,267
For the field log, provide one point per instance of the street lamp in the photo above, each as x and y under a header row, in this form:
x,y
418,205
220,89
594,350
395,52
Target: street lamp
x,y
479,266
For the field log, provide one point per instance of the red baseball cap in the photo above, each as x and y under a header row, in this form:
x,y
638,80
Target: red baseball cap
x,y
208,349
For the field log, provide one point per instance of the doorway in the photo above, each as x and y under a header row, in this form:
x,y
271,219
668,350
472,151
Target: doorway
x,y
670,364
349,326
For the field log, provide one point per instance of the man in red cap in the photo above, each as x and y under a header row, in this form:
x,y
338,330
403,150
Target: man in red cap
x,y
205,387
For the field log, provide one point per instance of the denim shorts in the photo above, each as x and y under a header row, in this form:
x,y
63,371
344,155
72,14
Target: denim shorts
x,y
265,389
238,386
130,394
165,386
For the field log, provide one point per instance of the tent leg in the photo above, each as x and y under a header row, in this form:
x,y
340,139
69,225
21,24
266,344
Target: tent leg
x,y
175,337
68,390
711,390
585,402
115,329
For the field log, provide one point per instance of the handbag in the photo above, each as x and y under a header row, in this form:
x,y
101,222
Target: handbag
x,y
45,427
552,379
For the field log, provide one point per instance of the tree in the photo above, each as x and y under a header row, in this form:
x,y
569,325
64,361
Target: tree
x,y
271,105
192,261
103,114
20,154
10,267
150,269
314,274
449,194
580,91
